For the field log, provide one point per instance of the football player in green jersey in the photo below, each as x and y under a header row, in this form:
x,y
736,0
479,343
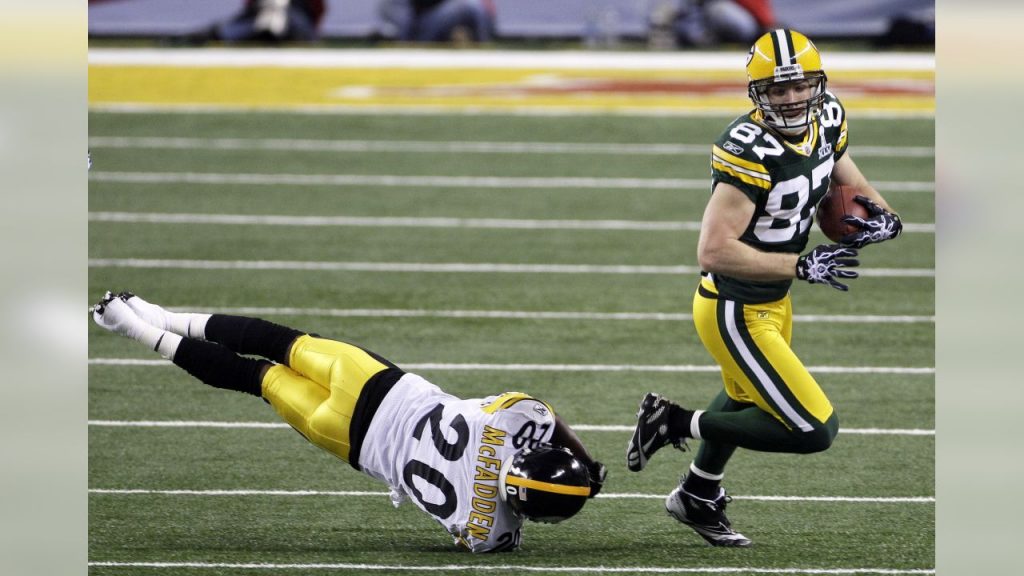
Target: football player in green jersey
x,y
770,168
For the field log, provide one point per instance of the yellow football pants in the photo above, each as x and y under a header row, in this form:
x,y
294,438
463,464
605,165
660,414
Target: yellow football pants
x,y
317,395
751,343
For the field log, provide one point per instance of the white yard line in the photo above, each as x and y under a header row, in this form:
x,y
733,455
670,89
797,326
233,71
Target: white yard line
x,y
631,496
513,568
393,180
528,315
434,147
409,222
580,427
572,367
532,315
393,222
446,267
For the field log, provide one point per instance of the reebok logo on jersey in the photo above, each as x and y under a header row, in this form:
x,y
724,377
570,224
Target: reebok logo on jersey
x,y
731,146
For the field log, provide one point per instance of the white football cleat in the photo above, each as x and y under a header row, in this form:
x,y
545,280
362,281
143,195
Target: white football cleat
x,y
151,314
113,314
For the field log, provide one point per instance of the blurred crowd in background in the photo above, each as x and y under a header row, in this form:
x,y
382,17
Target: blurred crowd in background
x,y
598,24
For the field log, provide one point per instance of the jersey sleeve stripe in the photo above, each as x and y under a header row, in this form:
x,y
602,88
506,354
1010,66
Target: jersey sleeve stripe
x,y
509,399
737,161
743,175
842,136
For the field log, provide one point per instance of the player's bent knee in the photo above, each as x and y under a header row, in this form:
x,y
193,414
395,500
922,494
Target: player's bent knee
x,y
821,436
817,440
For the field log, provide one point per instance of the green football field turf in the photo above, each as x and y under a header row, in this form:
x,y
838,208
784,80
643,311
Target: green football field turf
x,y
562,271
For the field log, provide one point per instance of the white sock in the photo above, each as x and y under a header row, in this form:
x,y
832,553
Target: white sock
x,y
695,425
168,345
705,475
188,324
162,341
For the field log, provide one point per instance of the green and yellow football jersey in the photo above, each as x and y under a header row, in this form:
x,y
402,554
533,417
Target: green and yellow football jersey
x,y
784,179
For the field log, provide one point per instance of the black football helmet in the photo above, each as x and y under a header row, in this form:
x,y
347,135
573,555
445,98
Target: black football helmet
x,y
544,484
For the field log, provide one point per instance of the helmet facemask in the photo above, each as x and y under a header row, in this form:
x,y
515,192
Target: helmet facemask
x,y
790,118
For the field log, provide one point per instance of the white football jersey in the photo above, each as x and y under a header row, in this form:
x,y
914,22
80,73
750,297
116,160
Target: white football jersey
x,y
444,453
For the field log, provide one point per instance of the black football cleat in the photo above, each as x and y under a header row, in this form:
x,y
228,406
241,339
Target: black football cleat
x,y
651,432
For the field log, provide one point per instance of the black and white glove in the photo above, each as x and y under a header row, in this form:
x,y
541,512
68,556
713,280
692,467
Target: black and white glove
x,y
598,472
825,263
880,225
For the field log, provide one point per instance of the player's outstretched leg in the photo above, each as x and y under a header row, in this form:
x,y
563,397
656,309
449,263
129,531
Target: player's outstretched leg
x,y
706,517
240,334
658,423
209,362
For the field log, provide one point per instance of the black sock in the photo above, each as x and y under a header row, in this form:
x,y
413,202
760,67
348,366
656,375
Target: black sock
x,y
219,367
252,336
679,422
701,487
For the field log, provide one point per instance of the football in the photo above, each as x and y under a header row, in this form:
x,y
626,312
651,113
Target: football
x,y
836,204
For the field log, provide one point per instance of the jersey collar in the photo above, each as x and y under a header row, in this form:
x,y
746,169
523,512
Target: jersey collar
x,y
803,147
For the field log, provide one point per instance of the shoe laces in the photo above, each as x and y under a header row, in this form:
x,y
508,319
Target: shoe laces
x,y
718,503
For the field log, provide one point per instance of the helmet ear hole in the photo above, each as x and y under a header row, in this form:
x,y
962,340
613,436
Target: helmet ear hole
x,y
544,484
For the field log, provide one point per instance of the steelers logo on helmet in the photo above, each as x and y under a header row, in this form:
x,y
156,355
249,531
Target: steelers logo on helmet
x,y
786,81
544,484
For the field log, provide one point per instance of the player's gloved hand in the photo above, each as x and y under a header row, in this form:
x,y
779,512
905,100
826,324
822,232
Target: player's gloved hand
x,y
825,263
598,472
879,226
